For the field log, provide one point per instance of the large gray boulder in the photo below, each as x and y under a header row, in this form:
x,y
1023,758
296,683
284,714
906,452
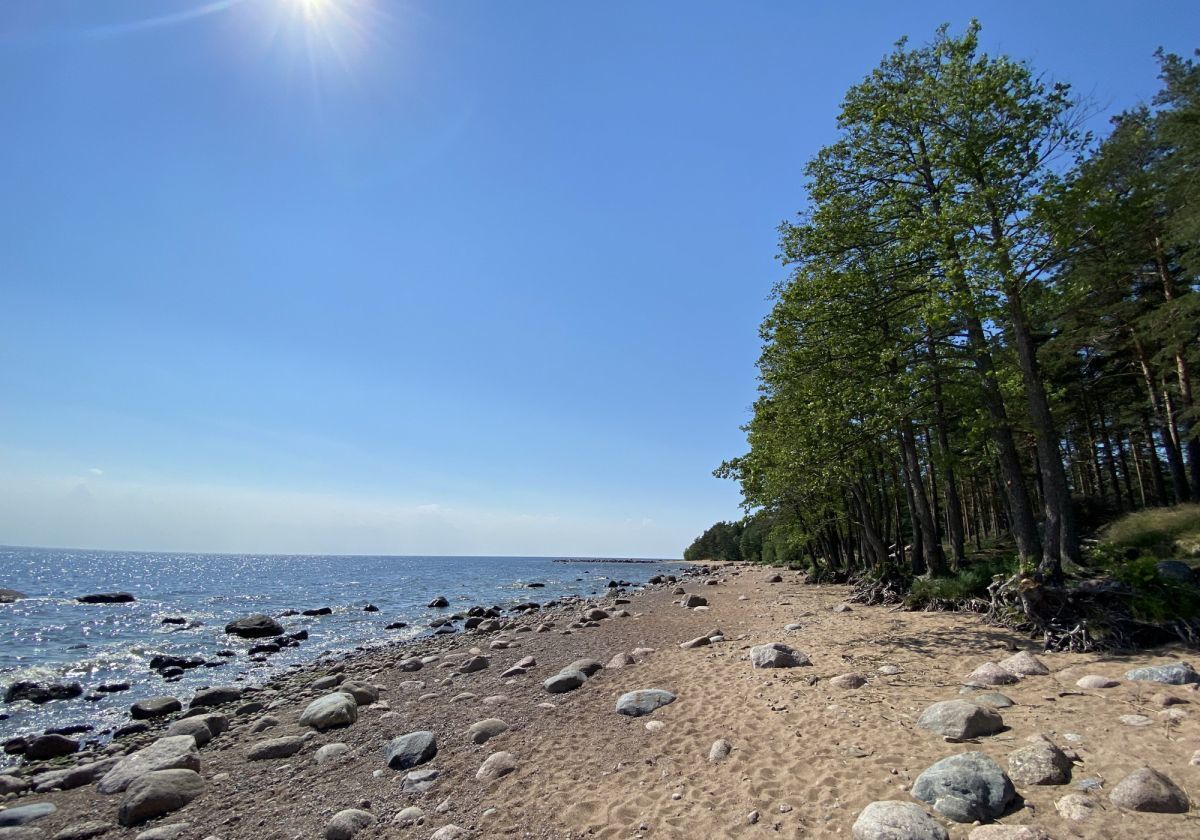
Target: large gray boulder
x,y
965,788
257,626
174,752
69,778
345,824
106,598
643,701
44,747
158,793
588,667
777,655
1024,664
897,821
364,694
960,719
495,766
330,711
153,707
216,696
9,596
1040,763
483,731
201,727
565,681
284,747
25,814
1146,789
1175,673
410,750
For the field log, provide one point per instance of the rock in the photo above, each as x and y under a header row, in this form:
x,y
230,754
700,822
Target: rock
x,y
621,660
330,711
719,751
131,729
86,830
848,681
992,698
154,707
643,701
1135,720
345,824
106,598
44,747
11,596
1007,832
595,615
438,603
699,641
483,731
1096,681
157,793
264,723
25,814
1177,673
69,778
257,626
411,664
693,601
777,655
965,787
513,672
201,727
495,766
112,688
588,667
408,816
176,752
218,696
773,579
410,750
842,608
473,664
1175,570
363,693
420,781
317,612
1146,789
896,821
331,752
989,673
38,693
165,832
1041,763
1024,664
284,747
960,719
11,784
564,682
1076,807
450,832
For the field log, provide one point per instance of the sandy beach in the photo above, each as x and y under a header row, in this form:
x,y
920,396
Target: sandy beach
x,y
806,756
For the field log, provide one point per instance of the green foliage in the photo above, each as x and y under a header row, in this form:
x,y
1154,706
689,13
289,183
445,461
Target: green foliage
x,y
1156,598
959,588
1158,532
719,542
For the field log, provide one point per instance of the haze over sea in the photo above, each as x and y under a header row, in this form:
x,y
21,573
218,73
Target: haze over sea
x,y
50,637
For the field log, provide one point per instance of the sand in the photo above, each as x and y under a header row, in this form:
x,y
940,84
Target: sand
x,y
806,756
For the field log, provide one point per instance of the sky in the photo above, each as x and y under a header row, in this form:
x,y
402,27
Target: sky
x,y
421,276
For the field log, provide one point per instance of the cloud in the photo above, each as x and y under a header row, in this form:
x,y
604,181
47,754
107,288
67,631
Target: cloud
x,y
96,471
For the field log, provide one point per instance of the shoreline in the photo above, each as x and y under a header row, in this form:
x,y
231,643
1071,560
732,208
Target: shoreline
x,y
807,755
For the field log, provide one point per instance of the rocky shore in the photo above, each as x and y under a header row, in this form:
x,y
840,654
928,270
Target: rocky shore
x,y
733,703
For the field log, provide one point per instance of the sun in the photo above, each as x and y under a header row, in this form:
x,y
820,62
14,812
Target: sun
x,y
314,10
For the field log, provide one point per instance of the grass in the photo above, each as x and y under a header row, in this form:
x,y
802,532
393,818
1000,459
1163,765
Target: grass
x,y
966,584
1165,533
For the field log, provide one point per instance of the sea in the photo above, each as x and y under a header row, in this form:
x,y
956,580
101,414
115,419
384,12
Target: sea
x,y
49,637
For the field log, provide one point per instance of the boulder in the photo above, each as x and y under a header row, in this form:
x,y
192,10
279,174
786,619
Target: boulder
x,y
960,719
1040,763
12,784
1146,789
1076,807
419,781
165,832
699,641
450,832
38,693
965,788
777,655
345,824
621,660
106,598
69,778
896,821
330,711
257,626
565,681
1095,681
1175,673
201,727
1175,570
848,681
217,696
86,831
44,747
25,814
284,747
174,752
990,673
495,766
643,701
154,707
588,667
438,603
410,750
693,601
318,611
10,596
157,793
1024,664
364,694
719,751
473,664
483,731
331,752
773,579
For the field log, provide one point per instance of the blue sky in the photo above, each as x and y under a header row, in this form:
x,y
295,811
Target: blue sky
x,y
422,277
